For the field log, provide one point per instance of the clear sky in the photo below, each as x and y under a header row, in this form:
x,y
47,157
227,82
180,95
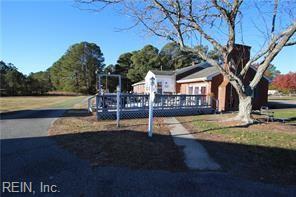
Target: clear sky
x,y
34,34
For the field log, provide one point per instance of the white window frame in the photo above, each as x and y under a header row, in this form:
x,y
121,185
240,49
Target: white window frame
x,y
199,88
189,88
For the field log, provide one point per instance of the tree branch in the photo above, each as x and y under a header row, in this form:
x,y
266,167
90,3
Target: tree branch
x,y
290,43
274,16
272,44
176,25
286,35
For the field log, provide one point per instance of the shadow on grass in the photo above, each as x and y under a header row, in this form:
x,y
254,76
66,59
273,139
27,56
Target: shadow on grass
x,y
280,105
266,164
293,119
43,113
135,150
141,124
215,129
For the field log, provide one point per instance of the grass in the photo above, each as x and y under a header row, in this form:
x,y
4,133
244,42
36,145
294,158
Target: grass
x,y
285,113
34,102
264,152
281,98
264,136
103,144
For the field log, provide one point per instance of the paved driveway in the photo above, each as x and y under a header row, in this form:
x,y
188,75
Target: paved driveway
x,y
28,154
28,123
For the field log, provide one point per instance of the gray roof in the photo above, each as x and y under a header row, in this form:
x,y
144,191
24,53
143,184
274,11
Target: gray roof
x,y
163,72
185,69
209,71
181,70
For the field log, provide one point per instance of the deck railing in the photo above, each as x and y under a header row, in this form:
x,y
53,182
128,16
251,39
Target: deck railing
x,y
136,105
135,101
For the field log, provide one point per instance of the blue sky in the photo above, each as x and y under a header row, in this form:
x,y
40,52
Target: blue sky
x,y
34,34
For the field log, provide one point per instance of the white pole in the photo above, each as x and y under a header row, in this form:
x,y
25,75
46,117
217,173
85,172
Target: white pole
x,y
150,125
118,106
151,101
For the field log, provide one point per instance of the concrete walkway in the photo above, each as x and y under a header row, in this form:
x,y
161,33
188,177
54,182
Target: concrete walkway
x,y
196,156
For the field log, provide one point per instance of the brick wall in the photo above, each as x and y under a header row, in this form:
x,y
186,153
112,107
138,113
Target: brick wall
x,y
139,89
183,87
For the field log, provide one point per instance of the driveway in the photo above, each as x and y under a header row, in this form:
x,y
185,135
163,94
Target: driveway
x,y
28,154
28,123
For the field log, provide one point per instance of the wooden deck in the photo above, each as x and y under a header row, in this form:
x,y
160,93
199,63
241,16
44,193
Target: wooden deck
x,y
136,106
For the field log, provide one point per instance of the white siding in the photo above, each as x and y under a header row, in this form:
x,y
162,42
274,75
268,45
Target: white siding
x,y
168,82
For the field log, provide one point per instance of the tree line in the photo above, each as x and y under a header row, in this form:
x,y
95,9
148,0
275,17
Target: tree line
x,y
75,71
15,83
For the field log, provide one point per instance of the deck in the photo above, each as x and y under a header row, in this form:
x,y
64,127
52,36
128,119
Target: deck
x,y
136,106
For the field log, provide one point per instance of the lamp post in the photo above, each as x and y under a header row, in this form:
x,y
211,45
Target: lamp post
x,y
151,101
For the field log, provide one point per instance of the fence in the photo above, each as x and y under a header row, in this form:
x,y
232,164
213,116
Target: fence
x,y
136,106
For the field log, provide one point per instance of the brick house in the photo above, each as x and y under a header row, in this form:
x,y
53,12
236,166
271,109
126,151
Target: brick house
x,y
205,79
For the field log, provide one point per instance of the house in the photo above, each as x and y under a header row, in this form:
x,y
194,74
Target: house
x,y
205,79
166,80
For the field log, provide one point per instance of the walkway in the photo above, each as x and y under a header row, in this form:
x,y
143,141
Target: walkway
x,y
196,156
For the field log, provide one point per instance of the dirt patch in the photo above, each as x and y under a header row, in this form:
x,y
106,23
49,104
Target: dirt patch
x,y
103,144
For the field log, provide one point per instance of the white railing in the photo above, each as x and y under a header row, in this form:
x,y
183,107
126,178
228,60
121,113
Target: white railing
x,y
91,106
134,101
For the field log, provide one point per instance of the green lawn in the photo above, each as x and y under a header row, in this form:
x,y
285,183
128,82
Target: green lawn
x,y
34,102
285,113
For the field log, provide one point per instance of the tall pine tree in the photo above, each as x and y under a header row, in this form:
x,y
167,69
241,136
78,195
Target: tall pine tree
x,y
76,70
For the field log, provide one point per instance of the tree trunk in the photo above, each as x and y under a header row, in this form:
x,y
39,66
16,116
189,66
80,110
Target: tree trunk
x,y
245,109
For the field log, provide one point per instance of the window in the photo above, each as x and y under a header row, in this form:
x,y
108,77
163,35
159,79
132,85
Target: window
x,y
159,87
190,90
203,90
196,90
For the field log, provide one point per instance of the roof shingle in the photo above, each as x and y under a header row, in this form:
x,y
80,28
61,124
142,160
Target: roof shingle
x,y
209,71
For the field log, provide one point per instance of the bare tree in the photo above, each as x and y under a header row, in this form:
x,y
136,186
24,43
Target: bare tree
x,y
220,24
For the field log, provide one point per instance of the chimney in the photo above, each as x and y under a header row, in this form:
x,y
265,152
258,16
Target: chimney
x,y
240,55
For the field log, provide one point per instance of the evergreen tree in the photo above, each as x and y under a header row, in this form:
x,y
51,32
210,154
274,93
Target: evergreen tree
x,y
144,60
12,81
39,82
124,64
76,70
173,57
